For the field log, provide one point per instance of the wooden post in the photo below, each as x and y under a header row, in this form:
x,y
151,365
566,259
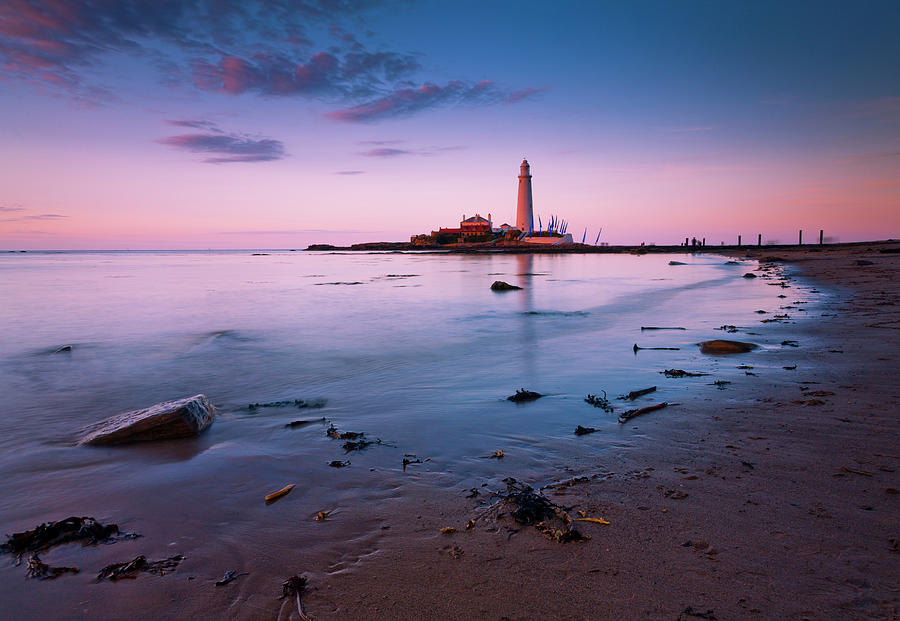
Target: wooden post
x,y
704,242
821,237
739,240
801,238
686,244
759,240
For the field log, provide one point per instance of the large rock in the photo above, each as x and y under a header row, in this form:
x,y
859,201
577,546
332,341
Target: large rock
x,y
720,346
170,419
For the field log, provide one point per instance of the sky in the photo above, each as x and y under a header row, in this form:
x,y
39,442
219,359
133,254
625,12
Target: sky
x,y
277,123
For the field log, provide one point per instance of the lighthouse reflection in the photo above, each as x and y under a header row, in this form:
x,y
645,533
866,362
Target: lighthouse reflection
x,y
528,334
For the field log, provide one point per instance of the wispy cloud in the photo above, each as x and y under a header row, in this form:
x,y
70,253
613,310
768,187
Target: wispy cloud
x,y
882,108
225,147
387,152
198,124
525,93
350,172
409,100
7,209
695,128
30,218
394,152
877,156
45,216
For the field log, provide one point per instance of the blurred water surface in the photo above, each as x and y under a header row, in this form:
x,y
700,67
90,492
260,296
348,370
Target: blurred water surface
x,y
410,348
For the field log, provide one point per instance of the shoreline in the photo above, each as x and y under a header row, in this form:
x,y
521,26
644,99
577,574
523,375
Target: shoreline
x,y
524,248
797,533
756,502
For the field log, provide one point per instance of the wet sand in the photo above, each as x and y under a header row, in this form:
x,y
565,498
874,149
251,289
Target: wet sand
x,y
785,505
765,498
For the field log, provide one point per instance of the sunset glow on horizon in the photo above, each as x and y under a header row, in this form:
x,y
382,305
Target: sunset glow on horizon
x,y
135,125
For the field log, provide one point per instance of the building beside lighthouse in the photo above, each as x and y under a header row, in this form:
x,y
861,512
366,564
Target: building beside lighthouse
x,y
478,229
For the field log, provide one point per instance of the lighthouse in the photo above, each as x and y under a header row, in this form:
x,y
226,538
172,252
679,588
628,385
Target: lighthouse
x,y
525,208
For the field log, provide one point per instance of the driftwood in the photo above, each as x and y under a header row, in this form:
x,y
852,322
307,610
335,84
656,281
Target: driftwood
x,y
229,576
659,328
284,491
637,348
627,416
634,394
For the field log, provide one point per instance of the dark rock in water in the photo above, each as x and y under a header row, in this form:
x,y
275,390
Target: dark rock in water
x,y
87,530
680,373
338,463
677,263
864,262
499,285
725,347
358,445
62,350
583,431
302,423
297,403
170,419
524,395
749,275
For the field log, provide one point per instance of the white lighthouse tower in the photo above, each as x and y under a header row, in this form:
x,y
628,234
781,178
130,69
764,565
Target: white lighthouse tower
x,y
525,208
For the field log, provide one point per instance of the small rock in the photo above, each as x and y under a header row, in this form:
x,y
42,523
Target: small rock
x,y
170,419
720,346
749,275
677,263
499,285
523,395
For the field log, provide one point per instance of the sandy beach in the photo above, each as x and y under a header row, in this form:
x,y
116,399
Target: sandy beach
x,y
774,498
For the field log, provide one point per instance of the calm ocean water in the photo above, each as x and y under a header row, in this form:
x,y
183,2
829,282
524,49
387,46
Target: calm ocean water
x,y
414,349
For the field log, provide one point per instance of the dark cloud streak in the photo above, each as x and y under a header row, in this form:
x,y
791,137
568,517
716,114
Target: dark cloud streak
x,y
227,148
408,100
233,47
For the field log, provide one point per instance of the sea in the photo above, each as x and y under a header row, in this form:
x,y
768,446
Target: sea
x,y
412,349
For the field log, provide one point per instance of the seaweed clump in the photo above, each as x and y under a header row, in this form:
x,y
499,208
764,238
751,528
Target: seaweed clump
x,y
600,402
40,570
87,530
355,440
530,508
118,571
